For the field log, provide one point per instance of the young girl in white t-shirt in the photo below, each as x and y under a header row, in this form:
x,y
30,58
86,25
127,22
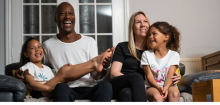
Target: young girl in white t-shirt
x,y
41,79
160,63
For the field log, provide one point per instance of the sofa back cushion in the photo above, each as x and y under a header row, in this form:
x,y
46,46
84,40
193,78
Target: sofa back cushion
x,y
10,67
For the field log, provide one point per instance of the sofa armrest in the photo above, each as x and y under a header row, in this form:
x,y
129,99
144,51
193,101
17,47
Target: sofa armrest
x,y
185,83
14,86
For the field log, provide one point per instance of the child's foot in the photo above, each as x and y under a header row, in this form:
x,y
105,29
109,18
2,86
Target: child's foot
x,y
100,60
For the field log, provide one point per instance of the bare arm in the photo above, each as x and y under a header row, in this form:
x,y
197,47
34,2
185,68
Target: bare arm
x,y
169,80
150,77
116,69
34,84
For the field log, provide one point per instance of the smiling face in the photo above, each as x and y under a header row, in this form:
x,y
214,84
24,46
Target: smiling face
x,y
157,39
34,51
141,25
65,17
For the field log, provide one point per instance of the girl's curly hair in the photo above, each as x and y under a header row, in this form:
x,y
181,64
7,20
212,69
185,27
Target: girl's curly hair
x,y
23,59
167,29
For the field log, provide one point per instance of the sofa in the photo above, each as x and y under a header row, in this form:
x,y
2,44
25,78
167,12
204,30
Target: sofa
x,y
185,84
11,89
19,94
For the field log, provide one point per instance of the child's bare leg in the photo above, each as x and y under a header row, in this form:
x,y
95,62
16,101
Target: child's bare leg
x,y
173,94
154,95
95,64
74,72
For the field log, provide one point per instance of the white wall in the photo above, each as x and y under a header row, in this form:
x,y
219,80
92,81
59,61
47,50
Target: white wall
x,y
2,37
197,20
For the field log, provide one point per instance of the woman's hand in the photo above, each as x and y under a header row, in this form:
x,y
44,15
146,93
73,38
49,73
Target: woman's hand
x,y
176,78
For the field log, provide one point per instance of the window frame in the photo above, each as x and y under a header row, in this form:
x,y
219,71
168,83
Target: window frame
x,y
119,30
40,34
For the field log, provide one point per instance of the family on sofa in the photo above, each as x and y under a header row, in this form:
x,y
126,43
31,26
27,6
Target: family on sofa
x,y
152,52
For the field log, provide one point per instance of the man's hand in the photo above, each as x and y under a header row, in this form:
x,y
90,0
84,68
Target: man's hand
x,y
18,74
109,59
176,78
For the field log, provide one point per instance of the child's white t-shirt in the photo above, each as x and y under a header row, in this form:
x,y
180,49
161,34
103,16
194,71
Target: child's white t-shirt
x,y
41,75
159,67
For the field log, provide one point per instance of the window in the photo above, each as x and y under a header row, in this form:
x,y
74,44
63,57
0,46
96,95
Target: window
x,y
101,19
95,20
38,19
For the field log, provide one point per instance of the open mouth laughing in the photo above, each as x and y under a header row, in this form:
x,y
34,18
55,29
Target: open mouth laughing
x,y
67,23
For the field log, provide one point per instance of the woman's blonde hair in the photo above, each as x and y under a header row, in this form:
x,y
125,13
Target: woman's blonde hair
x,y
131,44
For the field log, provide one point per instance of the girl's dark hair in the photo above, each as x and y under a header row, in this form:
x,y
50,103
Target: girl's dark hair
x,y
174,35
23,59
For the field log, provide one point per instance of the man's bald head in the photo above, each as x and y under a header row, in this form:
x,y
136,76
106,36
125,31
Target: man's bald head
x,y
65,17
61,5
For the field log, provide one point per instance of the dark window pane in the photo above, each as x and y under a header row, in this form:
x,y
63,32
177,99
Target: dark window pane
x,y
31,19
47,19
86,19
104,42
26,37
30,1
44,38
48,1
103,1
104,19
86,1
93,36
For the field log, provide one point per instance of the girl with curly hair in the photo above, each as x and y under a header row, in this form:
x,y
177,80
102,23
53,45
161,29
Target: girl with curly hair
x,y
160,63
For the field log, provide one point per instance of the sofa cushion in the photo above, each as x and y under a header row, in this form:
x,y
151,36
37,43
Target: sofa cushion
x,y
10,67
185,84
46,99
184,97
6,96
